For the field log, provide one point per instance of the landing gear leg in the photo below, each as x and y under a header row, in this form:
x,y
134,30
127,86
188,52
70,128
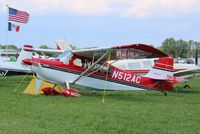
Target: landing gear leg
x,y
67,84
54,87
69,92
50,90
53,91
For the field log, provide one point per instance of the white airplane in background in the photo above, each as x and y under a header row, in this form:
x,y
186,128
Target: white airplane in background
x,y
8,68
142,66
13,68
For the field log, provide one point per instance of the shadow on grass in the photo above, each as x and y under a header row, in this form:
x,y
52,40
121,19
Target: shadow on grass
x,y
187,91
128,96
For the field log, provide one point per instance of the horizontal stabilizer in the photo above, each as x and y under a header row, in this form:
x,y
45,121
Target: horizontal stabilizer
x,y
187,72
162,70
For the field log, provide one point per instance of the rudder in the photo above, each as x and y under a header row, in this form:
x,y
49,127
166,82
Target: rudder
x,y
24,54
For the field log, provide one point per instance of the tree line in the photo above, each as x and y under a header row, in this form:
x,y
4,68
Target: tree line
x,y
180,48
171,46
16,48
9,47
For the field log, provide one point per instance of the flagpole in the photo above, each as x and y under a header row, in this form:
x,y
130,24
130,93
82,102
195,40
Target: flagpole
x,y
7,28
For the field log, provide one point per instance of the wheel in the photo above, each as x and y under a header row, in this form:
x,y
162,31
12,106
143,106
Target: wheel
x,y
186,86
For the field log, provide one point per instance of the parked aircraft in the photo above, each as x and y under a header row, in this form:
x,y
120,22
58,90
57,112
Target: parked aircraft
x,y
8,68
142,66
95,70
13,68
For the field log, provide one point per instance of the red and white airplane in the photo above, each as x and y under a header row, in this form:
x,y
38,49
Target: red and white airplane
x,y
90,68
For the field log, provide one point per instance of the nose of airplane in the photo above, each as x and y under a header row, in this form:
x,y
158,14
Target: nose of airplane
x,y
27,61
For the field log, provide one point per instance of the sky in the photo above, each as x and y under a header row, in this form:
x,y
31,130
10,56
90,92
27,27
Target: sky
x,y
101,23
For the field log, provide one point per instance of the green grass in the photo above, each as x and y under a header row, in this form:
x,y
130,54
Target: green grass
x,y
122,113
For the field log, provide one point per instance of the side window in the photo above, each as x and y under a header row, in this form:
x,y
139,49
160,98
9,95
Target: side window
x,y
65,57
103,69
85,63
135,65
122,67
147,64
77,62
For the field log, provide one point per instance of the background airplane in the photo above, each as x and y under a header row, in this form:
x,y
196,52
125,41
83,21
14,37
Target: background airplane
x,y
142,66
8,68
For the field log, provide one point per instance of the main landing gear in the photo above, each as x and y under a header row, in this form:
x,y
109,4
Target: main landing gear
x,y
50,91
186,84
68,92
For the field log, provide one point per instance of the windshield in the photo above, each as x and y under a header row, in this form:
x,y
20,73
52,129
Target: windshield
x,y
60,56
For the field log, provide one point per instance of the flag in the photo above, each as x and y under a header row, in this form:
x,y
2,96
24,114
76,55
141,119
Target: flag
x,y
17,15
12,27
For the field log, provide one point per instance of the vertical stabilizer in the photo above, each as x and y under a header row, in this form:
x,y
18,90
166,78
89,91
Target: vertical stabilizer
x,y
24,54
63,45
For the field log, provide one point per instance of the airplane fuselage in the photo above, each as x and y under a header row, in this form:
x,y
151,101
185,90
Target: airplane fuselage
x,y
12,68
115,79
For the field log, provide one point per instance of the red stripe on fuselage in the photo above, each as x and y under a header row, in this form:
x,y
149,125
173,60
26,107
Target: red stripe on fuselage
x,y
117,75
145,71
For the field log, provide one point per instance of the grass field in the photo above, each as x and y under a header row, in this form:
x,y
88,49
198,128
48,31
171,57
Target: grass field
x,y
122,113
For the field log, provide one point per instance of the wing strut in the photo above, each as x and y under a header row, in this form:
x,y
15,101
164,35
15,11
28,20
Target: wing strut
x,y
87,70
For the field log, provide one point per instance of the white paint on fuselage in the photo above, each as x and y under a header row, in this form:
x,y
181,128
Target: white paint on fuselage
x,y
61,77
6,66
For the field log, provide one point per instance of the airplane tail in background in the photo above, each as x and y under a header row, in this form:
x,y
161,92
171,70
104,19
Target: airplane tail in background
x,y
162,70
24,54
63,45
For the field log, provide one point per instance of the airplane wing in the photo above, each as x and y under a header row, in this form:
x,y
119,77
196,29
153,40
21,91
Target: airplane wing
x,y
131,51
31,49
187,72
